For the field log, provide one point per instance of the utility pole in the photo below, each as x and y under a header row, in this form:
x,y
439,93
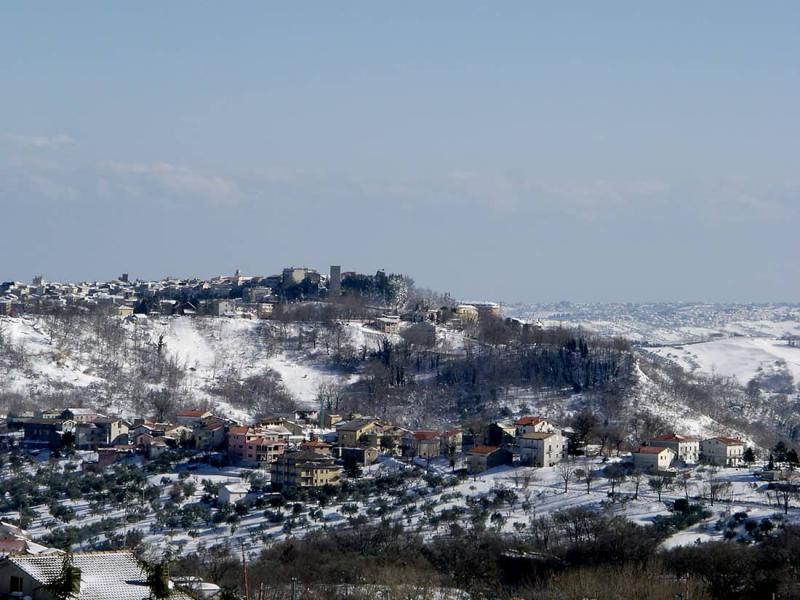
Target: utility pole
x,y
294,588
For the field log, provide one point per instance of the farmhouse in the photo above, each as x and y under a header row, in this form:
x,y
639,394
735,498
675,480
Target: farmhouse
x,y
686,448
722,451
653,459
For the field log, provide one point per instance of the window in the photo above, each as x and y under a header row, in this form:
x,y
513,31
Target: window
x,y
16,584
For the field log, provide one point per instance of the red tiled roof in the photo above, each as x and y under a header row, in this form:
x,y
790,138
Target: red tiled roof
x,y
238,430
425,435
265,442
483,449
192,413
730,441
522,421
674,437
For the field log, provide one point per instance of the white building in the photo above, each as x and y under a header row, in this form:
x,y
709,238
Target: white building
x,y
652,459
231,493
722,451
533,425
542,448
685,447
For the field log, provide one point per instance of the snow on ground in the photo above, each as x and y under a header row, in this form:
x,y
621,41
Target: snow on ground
x,y
46,367
536,493
739,357
303,379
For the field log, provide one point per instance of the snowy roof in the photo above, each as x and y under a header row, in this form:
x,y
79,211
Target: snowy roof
x,y
237,488
651,450
104,575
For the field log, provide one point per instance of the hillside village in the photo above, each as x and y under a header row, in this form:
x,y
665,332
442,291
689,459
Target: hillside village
x,y
195,470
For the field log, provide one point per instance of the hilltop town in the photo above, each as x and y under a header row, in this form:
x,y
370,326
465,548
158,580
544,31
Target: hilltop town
x,y
234,415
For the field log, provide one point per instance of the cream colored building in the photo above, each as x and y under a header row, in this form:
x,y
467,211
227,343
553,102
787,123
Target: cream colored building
x,y
542,448
685,447
350,434
533,425
652,459
722,451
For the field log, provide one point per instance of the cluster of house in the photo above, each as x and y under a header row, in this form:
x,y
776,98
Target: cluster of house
x,y
664,451
308,449
299,449
224,295
221,296
113,437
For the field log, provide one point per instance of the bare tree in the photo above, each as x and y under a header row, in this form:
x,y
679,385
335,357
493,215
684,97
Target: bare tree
x,y
715,487
659,484
586,473
566,471
684,480
636,477
615,475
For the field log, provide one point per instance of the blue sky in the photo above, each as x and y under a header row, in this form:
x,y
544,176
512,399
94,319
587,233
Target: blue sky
x,y
519,151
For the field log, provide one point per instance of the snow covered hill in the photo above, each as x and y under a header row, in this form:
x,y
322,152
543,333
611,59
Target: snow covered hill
x,y
42,358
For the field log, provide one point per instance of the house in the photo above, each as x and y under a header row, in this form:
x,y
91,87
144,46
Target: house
x,y
46,432
156,447
317,446
103,576
686,448
542,448
304,468
466,313
104,431
532,425
365,455
500,434
210,434
652,459
351,433
426,444
386,324
192,417
330,420
231,493
14,540
722,451
80,415
452,442
257,446
483,458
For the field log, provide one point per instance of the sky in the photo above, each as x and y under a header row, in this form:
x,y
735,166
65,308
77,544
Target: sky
x,y
514,151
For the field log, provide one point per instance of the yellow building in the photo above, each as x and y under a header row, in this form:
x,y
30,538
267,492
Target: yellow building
x,y
305,468
350,434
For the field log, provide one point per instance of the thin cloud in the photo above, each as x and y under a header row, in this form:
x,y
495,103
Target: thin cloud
x,y
179,180
38,141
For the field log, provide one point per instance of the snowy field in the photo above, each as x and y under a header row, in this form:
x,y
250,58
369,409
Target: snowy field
x,y
740,357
